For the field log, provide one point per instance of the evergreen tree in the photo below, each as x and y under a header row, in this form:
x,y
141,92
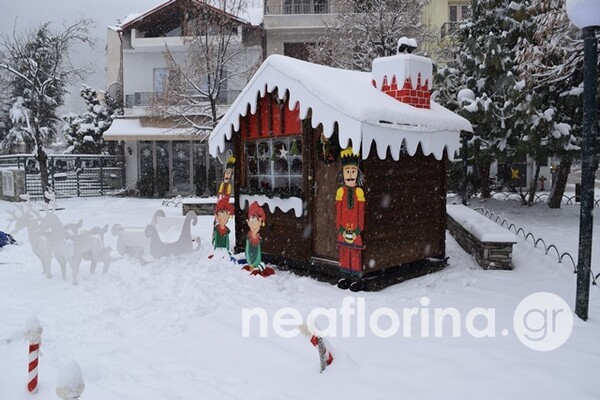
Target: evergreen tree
x,y
551,62
484,62
83,132
40,67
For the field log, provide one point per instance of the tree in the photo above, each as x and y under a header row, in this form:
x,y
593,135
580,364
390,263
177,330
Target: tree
x,y
40,67
364,30
196,88
196,84
551,62
84,132
484,54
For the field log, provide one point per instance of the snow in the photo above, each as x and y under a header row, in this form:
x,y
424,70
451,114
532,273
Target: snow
x,y
69,384
285,205
363,113
134,129
171,329
481,227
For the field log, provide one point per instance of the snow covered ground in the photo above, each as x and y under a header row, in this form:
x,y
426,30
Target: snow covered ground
x,y
172,329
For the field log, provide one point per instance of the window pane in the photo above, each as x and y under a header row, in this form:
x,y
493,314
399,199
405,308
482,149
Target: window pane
x,y
453,13
282,182
160,78
280,166
181,167
265,183
296,166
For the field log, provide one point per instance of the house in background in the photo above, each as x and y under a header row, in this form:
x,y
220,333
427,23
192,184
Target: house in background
x,y
293,25
164,158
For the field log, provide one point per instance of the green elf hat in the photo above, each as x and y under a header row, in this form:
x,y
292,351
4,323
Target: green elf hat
x,y
349,157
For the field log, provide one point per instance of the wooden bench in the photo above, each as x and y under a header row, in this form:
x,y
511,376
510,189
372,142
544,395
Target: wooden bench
x,y
488,242
201,206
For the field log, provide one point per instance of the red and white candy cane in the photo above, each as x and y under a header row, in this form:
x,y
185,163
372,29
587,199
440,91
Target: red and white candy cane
x,y
33,334
324,354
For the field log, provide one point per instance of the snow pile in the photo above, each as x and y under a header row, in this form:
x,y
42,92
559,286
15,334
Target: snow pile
x,y
481,227
70,384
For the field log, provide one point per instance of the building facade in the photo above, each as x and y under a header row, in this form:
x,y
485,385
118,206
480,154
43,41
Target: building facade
x,y
165,157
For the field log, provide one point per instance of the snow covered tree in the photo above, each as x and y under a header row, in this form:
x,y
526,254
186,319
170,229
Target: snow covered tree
x,y
196,83
551,62
484,62
364,30
40,67
83,132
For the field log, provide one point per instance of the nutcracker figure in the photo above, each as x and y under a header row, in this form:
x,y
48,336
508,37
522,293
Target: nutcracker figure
x,y
350,221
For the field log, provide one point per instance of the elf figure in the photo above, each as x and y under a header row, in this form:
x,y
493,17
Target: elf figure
x,y
225,186
256,220
350,221
223,211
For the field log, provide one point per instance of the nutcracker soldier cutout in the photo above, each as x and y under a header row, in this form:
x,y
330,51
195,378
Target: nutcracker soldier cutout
x,y
350,221
256,220
225,186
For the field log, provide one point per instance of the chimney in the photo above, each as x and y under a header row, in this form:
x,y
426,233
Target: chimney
x,y
405,77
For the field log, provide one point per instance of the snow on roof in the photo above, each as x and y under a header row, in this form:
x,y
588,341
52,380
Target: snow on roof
x,y
134,129
363,113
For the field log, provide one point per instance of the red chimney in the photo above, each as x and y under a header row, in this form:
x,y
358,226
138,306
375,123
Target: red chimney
x,y
405,77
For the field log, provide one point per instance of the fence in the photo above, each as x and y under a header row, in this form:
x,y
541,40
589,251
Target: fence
x,y
506,196
528,236
71,175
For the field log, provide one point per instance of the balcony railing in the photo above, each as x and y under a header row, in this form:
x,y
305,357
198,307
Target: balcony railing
x,y
296,9
146,99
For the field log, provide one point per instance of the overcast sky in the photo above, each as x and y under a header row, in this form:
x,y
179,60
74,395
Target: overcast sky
x,y
26,14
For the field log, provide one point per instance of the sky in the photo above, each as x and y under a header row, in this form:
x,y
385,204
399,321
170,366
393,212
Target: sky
x,y
24,14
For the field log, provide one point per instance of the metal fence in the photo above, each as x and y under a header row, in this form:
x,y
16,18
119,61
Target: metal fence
x,y
81,175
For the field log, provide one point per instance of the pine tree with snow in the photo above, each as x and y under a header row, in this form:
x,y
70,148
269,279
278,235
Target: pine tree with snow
x,y
484,62
39,65
83,132
551,62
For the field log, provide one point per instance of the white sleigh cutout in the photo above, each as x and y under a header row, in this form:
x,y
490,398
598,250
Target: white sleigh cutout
x,y
139,242
185,242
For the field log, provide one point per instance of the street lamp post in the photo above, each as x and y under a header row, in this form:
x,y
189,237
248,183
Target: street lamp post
x,y
585,14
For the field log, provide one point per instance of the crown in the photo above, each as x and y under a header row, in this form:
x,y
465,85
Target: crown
x,y
230,162
349,157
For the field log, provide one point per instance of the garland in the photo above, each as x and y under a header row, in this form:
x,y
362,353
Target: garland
x,y
329,149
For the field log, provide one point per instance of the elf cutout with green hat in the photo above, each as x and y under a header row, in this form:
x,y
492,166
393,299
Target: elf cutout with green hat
x,y
350,221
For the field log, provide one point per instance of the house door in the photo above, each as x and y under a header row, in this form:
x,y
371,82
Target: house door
x,y
324,186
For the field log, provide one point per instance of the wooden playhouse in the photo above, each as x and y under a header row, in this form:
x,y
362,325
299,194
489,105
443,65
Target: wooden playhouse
x,y
288,128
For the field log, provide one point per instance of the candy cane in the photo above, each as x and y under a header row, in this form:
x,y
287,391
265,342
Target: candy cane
x,y
325,355
33,334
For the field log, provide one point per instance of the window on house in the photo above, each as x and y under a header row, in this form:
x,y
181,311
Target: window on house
x,y
161,76
457,12
274,165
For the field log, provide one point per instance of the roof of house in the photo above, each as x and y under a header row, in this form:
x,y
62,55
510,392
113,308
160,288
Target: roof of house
x,y
135,128
132,19
362,112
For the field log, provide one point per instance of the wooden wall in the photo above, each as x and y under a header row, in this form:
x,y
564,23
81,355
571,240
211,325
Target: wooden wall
x,y
405,212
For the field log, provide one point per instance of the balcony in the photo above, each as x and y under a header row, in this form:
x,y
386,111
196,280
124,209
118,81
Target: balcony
x,y
299,9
